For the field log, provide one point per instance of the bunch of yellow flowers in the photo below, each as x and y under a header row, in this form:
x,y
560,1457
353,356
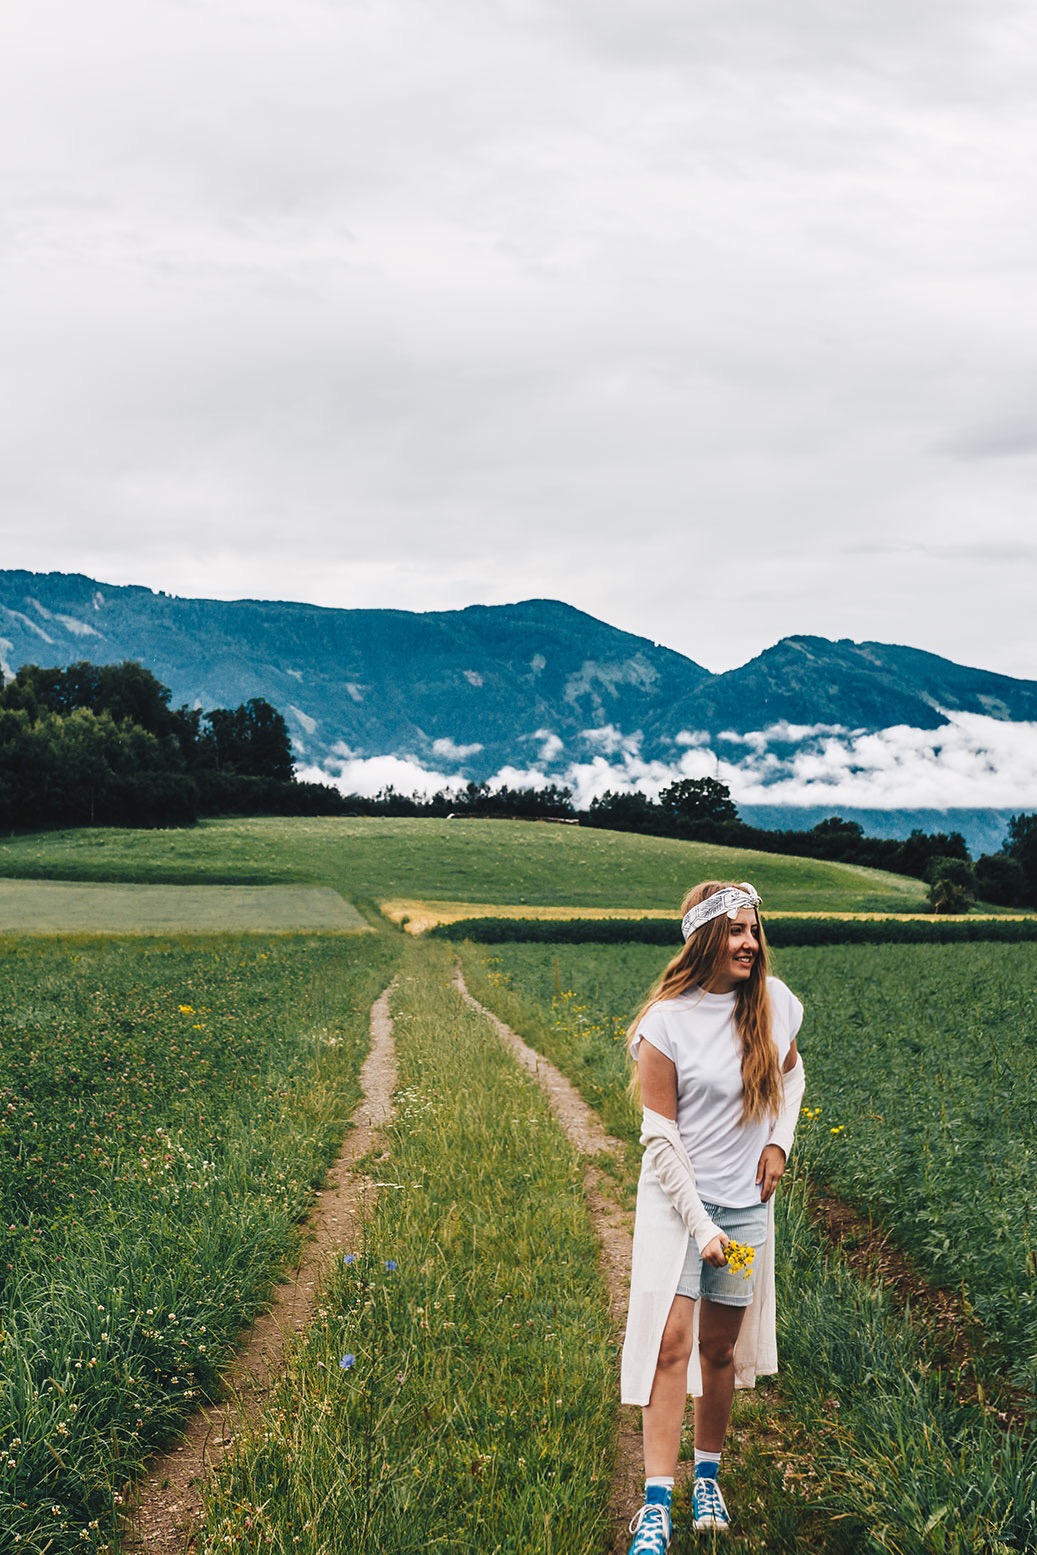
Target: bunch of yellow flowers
x,y
740,1258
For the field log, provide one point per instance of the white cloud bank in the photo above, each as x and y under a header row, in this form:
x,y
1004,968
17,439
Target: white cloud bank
x,y
973,762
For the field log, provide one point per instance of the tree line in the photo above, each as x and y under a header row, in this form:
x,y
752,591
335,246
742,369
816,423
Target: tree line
x,y
100,745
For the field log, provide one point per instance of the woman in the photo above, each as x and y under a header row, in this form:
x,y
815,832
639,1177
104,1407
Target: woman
x,y
722,1084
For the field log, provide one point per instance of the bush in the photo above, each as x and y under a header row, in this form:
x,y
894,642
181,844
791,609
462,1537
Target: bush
x,y
1001,880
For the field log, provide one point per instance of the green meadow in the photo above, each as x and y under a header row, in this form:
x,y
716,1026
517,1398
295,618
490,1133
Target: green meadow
x,y
170,1102
370,860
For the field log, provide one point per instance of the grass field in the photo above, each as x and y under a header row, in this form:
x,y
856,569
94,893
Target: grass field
x,y
169,1103
90,907
373,860
167,1108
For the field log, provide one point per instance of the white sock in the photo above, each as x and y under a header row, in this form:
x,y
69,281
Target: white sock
x,y
702,1456
659,1482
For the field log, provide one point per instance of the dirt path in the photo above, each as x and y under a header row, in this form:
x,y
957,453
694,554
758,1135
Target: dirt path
x,y
613,1225
168,1500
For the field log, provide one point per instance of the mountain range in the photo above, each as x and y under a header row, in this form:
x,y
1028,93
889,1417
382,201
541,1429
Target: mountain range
x,y
534,687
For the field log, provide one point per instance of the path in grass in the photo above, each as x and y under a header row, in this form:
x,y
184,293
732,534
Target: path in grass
x,y
168,1500
611,1222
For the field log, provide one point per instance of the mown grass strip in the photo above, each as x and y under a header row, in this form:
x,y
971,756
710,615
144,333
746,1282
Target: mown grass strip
x,y
883,1456
168,1108
90,907
457,1391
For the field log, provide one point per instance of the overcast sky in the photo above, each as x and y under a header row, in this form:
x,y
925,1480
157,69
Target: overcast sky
x,y
718,321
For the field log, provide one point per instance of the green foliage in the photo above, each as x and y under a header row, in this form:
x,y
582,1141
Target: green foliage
x,y
478,1411
98,744
952,885
252,741
696,801
1001,880
1021,845
780,931
167,1112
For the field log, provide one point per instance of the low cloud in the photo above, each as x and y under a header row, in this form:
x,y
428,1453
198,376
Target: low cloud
x,y
446,750
973,762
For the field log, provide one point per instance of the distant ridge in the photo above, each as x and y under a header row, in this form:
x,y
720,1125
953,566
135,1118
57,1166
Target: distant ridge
x,y
491,689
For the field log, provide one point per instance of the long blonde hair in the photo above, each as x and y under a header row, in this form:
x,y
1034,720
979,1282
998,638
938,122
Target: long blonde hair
x,y
695,966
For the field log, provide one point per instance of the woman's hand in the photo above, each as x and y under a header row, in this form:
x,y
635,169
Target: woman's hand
x,y
713,1252
770,1171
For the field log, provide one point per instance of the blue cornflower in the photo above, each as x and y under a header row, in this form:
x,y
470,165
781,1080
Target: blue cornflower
x,y
347,1362
349,1258
391,1265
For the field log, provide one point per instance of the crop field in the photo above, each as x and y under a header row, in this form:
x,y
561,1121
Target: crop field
x,y
170,1103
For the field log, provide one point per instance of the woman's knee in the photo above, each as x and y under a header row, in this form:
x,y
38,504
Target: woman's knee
x,y
675,1348
717,1351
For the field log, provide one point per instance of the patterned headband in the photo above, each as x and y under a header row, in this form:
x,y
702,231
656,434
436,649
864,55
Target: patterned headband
x,y
730,899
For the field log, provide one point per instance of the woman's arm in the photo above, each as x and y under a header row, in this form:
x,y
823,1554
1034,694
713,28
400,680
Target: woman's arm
x,y
658,1076
771,1166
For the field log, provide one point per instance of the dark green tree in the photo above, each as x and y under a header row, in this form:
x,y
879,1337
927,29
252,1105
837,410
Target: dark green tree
x,y
952,885
696,802
1001,880
251,741
1021,844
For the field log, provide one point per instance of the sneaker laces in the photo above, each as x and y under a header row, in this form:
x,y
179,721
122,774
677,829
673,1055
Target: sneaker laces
x,y
707,1498
651,1525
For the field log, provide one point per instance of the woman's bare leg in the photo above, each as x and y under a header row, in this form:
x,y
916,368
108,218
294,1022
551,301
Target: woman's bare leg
x,y
719,1327
663,1415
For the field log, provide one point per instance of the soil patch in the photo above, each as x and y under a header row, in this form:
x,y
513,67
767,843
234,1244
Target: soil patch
x,y
167,1503
956,1337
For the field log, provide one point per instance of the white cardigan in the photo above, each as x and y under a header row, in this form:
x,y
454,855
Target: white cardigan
x,y
669,1210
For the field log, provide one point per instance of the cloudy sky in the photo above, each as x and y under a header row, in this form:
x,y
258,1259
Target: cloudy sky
x,y
717,321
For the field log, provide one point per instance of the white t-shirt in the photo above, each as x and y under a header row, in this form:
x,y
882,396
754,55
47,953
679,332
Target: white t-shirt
x,y
697,1033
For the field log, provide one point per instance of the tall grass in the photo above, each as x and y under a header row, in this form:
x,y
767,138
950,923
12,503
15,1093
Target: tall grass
x,y
168,1111
457,1391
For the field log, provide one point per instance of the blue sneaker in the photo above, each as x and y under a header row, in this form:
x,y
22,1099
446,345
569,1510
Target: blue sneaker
x,y
652,1529
707,1505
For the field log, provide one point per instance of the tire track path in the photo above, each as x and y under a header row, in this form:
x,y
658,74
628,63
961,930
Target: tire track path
x,y
167,1502
613,1226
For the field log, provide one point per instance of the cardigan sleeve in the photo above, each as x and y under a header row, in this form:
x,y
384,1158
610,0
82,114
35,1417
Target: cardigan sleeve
x,y
784,1130
666,1158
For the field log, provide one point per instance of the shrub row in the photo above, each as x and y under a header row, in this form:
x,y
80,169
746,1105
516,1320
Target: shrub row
x,y
780,931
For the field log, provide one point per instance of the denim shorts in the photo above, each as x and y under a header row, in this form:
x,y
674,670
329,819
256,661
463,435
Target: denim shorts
x,y
728,1289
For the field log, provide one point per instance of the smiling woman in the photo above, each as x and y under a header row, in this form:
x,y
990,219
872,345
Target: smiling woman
x,y
721,1081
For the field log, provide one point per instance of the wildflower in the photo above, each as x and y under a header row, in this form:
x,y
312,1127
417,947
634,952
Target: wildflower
x,y
347,1362
186,1009
349,1258
740,1258
391,1265
837,1130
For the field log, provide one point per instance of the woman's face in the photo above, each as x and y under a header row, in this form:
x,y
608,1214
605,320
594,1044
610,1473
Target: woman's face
x,y
743,946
